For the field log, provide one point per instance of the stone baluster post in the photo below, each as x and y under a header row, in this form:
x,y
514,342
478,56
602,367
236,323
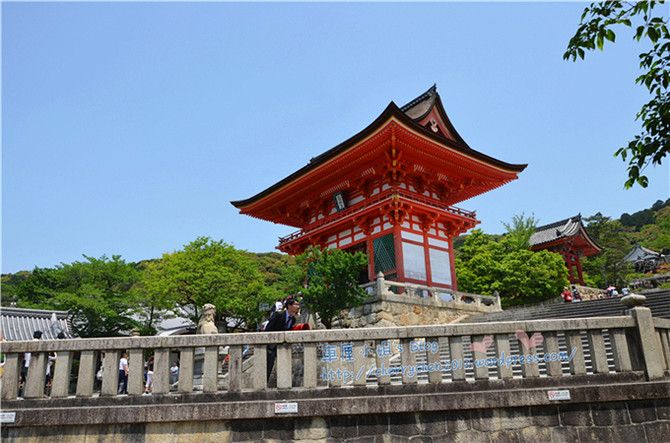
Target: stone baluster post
x,y
651,347
10,376
644,345
381,284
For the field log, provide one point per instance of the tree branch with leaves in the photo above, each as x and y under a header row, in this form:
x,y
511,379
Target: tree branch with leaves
x,y
596,26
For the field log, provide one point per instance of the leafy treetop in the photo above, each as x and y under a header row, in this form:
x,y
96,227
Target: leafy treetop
x,y
331,277
596,27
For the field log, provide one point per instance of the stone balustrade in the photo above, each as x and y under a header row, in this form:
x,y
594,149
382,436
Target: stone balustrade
x,y
384,287
340,358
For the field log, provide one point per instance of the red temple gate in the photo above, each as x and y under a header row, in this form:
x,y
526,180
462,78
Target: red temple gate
x,y
388,191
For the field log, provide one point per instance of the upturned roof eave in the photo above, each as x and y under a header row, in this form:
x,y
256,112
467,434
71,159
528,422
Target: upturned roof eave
x,y
392,111
317,161
432,94
557,239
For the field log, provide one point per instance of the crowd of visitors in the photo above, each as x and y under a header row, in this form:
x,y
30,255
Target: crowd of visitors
x,y
571,295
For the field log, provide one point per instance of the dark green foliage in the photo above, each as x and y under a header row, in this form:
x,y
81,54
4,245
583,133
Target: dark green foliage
x,y
332,281
644,217
596,26
9,284
606,268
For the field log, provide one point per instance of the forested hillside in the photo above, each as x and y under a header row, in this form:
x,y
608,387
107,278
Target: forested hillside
x,y
649,228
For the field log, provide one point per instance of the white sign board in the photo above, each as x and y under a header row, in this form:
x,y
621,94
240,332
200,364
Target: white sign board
x,y
7,417
286,408
559,395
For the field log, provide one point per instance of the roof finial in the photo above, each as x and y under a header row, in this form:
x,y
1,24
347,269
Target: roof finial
x,y
429,93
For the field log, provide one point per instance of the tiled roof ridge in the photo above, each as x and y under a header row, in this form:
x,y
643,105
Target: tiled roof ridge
x,y
576,218
632,254
429,93
33,312
637,245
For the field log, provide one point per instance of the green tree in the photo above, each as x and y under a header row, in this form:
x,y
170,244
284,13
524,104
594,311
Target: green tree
x,y
663,237
596,26
208,271
9,284
97,293
155,306
638,219
519,275
607,267
478,266
520,231
331,277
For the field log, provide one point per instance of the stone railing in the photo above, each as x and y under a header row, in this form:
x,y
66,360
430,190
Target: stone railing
x,y
381,286
336,359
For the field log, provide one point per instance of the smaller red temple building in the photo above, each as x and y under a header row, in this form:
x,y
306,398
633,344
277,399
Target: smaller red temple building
x,y
388,191
569,238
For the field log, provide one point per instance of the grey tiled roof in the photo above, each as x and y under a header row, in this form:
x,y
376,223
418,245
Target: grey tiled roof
x,y
413,110
639,253
561,229
20,324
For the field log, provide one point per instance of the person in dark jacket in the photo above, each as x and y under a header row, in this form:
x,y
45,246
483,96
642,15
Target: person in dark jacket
x,y
280,321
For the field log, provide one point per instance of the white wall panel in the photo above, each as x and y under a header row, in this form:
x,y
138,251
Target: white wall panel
x,y
438,243
414,260
411,236
440,266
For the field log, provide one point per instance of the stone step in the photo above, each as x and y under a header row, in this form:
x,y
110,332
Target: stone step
x,y
658,302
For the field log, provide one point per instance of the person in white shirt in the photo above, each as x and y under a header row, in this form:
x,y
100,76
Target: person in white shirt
x,y
174,373
123,373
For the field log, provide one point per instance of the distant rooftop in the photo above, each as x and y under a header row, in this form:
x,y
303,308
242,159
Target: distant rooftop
x,y
554,231
20,324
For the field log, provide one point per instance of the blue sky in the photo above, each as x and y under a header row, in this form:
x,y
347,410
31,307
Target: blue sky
x,y
127,128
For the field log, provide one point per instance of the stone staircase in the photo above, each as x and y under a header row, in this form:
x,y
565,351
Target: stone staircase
x,y
657,300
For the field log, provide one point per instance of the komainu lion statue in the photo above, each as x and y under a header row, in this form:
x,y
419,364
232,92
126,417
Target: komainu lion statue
x,y
206,324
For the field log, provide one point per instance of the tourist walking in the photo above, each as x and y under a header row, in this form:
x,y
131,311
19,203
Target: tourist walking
x,y
123,373
149,374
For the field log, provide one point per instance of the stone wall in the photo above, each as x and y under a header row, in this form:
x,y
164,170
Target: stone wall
x,y
630,421
400,310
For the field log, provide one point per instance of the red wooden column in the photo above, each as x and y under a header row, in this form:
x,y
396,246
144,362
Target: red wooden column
x,y
452,264
579,270
397,244
426,260
371,257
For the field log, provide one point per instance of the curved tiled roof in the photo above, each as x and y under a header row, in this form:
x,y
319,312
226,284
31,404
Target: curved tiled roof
x,y
564,229
20,324
554,231
410,114
639,253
